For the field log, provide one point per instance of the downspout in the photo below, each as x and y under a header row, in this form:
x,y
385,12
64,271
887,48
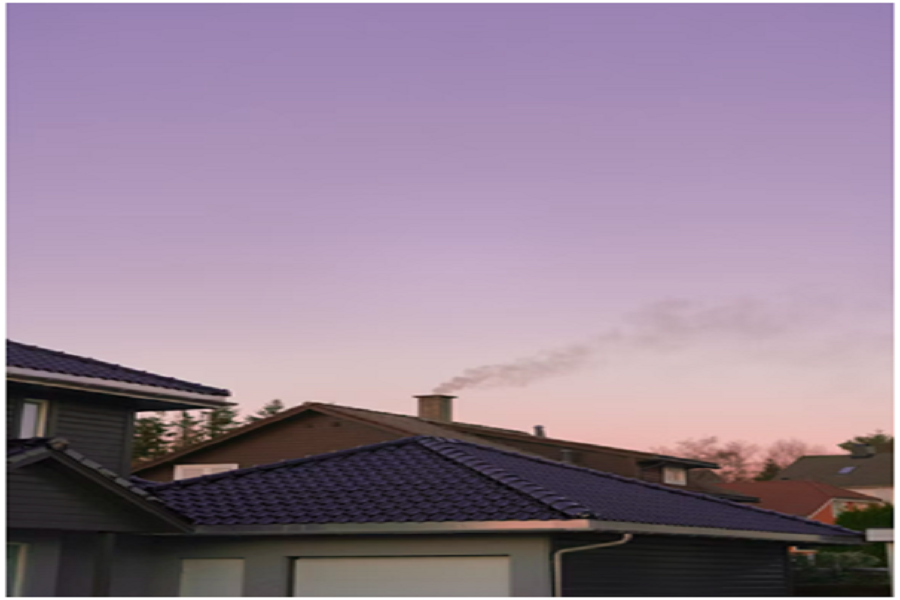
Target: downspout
x,y
557,559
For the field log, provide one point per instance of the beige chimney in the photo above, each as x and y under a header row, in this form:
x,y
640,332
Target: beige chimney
x,y
436,407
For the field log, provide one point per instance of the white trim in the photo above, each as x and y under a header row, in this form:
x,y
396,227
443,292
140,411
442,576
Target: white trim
x,y
674,475
208,469
398,528
616,526
880,535
40,429
92,383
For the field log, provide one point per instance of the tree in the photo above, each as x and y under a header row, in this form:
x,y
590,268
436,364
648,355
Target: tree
x,y
770,471
871,517
151,437
872,439
186,431
271,408
736,458
219,421
785,452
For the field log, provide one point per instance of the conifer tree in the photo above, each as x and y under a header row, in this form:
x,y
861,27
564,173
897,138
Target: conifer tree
x,y
219,421
271,408
152,437
769,471
186,430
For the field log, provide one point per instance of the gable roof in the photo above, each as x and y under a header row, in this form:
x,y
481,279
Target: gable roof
x,y
24,360
429,479
873,471
405,425
21,453
802,498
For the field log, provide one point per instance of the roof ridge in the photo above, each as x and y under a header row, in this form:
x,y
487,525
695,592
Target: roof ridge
x,y
445,447
701,496
114,366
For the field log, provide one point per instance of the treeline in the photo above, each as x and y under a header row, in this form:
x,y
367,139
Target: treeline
x,y
161,433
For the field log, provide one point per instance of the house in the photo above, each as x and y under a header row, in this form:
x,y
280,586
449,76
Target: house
x,y
315,428
868,470
810,499
69,423
415,516
427,516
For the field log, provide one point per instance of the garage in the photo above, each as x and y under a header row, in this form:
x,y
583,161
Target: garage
x,y
403,576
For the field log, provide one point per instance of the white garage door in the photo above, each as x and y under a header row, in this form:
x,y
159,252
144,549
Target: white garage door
x,y
447,576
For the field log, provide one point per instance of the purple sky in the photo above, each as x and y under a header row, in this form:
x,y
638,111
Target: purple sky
x,y
356,203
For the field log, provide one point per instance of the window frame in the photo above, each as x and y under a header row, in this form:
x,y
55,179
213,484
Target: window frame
x,y
177,472
674,475
41,421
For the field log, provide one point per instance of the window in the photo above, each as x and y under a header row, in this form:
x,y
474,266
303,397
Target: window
x,y
15,568
845,470
33,418
215,577
674,476
188,471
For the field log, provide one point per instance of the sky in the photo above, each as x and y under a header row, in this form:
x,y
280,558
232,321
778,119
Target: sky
x,y
630,223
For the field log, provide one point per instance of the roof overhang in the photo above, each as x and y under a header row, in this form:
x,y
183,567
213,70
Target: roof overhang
x,y
576,525
687,463
648,528
155,398
571,526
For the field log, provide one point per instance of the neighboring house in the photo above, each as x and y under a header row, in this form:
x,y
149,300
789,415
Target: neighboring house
x,y
315,428
810,499
70,423
428,516
867,470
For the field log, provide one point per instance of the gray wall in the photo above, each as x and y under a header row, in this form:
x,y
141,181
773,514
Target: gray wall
x,y
151,567
674,566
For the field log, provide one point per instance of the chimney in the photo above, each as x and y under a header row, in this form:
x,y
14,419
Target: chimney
x,y
539,431
436,407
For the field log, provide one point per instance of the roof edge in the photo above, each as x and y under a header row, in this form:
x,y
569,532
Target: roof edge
x,y
121,388
398,528
850,538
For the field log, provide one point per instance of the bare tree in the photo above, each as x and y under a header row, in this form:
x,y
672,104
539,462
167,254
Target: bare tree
x,y
785,452
737,458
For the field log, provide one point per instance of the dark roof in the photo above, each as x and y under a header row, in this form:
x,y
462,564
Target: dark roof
x,y
795,497
873,471
53,361
428,479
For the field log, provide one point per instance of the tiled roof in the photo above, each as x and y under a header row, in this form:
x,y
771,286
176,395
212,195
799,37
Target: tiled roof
x,y
428,479
874,471
794,497
54,361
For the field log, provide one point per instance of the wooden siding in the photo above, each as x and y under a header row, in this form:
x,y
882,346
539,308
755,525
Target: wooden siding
x,y
674,566
304,435
98,426
611,463
45,496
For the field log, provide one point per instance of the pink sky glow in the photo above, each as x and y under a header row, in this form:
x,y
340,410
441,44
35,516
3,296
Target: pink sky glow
x,y
357,203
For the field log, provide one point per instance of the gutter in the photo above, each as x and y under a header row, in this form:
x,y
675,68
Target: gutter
x,y
557,558
133,390
745,534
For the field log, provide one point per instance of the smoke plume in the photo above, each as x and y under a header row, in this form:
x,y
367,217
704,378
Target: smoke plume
x,y
663,326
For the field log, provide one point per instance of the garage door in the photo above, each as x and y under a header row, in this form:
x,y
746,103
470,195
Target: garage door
x,y
447,576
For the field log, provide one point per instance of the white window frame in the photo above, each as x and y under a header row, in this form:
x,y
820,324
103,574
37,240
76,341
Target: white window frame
x,y
40,429
674,475
181,471
19,583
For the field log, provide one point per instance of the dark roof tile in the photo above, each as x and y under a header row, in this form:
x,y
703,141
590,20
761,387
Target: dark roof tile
x,y
434,479
54,361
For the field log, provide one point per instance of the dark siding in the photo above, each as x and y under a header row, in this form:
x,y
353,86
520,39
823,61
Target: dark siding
x,y
304,435
41,496
674,566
